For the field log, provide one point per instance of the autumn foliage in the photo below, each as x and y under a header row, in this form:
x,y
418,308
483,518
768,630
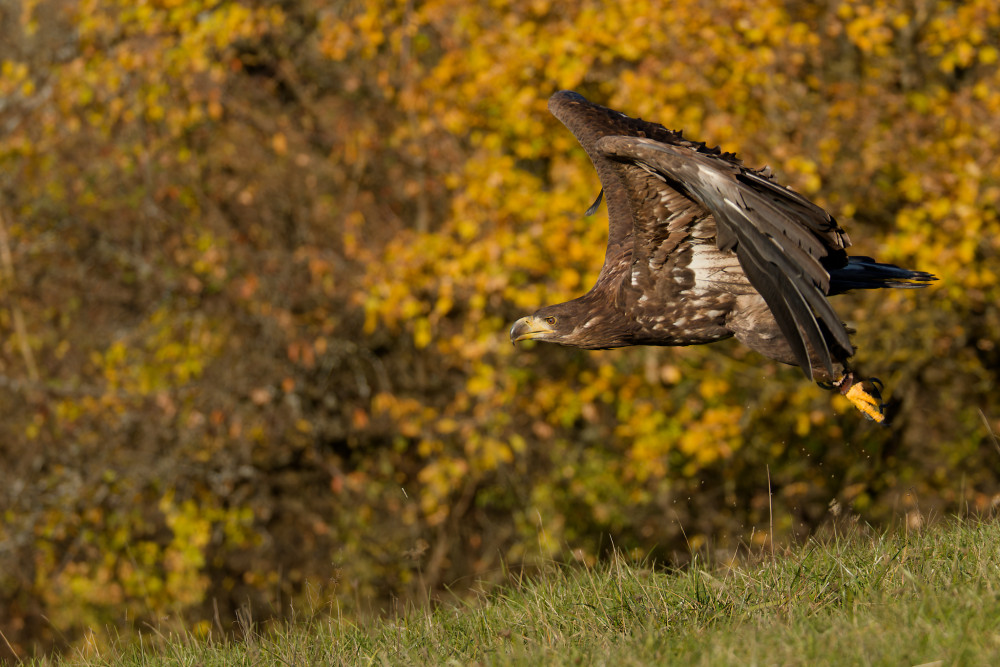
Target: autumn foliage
x,y
258,261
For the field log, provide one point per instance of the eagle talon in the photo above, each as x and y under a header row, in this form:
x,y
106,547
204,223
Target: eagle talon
x,y
869,402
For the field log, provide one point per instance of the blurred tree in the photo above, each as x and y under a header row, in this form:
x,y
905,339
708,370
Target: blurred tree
x,y
257,263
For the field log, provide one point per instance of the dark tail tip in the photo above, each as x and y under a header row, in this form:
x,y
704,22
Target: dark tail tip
x,y
865,273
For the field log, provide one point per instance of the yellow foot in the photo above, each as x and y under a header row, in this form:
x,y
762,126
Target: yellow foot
x,y
868,402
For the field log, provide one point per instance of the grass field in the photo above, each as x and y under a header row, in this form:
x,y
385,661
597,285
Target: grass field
x,y
857,597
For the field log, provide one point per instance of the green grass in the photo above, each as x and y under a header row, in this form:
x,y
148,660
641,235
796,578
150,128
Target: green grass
x,y
859,598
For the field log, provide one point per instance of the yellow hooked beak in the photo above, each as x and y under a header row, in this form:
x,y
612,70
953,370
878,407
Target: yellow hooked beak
x,y
529,327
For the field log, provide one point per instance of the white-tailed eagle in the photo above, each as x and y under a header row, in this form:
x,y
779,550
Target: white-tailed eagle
x,y
701,248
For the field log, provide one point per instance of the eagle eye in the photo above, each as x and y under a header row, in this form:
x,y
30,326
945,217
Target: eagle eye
x,y
551,320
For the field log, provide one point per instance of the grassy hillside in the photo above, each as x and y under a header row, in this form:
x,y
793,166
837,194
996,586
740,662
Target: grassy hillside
x,y
854,597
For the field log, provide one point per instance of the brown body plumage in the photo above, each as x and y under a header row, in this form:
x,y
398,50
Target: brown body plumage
x,y
701,248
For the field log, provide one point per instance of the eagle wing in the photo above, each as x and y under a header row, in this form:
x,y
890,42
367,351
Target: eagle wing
x,y
785,244
589,123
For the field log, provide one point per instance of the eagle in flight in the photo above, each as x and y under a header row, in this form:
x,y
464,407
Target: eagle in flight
x,y
701,248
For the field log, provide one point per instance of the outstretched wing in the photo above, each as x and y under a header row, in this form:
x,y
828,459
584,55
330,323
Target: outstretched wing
x,y
591,122
785,243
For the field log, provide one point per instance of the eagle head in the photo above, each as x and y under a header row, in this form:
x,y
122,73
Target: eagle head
x,y
544,324
568,324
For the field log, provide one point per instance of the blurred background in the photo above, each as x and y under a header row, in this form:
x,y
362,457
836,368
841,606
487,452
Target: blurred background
x,y
258,261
